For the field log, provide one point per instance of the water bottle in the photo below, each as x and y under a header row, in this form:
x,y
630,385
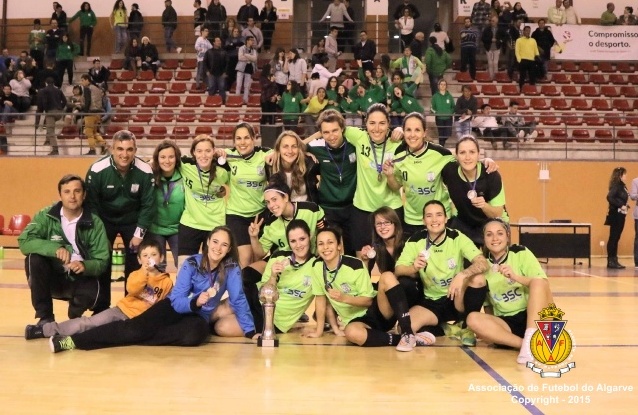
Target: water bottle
x,y
1,252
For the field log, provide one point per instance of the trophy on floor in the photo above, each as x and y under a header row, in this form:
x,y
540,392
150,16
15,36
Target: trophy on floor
x,y
268,295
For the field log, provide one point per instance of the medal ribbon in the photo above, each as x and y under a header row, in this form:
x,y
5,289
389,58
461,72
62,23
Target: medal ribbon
x,y
374,153
472,184
201,182
343,160
500,260
326,272
170,186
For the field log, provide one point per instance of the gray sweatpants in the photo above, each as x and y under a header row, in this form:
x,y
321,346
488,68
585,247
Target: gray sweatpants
x,y
81,324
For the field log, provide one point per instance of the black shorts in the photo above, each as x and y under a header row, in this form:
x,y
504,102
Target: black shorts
x,y
409,230
190,240
443,309
239,227
374,319
363,227
517,323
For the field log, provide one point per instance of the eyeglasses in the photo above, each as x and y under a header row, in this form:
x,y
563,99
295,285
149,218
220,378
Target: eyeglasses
x,y
382,224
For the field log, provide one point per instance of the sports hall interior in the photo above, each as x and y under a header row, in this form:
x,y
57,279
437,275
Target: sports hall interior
x,y
562,175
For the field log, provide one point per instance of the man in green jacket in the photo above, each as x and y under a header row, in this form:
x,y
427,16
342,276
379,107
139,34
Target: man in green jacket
x,y
120,189
66,251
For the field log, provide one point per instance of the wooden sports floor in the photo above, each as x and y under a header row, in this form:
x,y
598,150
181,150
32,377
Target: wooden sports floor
x,y
327,376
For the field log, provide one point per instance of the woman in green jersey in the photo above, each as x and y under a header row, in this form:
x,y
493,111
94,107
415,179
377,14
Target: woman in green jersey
x,y
518,291
169,197
205,207
248,177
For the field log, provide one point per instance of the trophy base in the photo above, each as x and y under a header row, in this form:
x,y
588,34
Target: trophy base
x,y
267,342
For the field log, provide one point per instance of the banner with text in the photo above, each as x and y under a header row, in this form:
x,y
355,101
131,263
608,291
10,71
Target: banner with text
x,y
596,43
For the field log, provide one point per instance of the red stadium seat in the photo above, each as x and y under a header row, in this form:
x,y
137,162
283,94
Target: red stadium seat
x,y
550,91
497,103
580,104
594,119
157,132
131,101
164,76
570,91
510,89
589,91
116,64
121,115
252,116
625,135
617,79
629,91
609,91
193,101
597,78
559,104
624,67
183,76
632,120
603,135
213,101
203,129
572,119
483,77
69,132
118,88
189,64
579,78
601,104
181,132
208,117
195,90
177,88
581,135
225,133
170,64
186,116
151,101
558,134
255,88
550,120
139,88
539,104
615,119
502,78
530,90
229,117
561,78
158,88
172,101
254,101
474,89
234,101
587,67
569,66
606,67
143,116
16,225
145,76
137,130
489,90
463,77
621,104
115,101
554,66
163,116
126,76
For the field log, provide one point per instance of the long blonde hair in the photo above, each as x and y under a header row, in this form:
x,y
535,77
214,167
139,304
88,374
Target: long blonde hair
x,y
299,168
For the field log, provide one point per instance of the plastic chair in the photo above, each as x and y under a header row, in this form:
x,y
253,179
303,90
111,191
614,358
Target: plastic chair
x,y
17,225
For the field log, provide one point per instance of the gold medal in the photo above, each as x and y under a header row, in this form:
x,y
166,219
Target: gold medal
x,y
380,177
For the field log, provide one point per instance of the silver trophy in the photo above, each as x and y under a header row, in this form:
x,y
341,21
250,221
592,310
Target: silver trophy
x,y
268,295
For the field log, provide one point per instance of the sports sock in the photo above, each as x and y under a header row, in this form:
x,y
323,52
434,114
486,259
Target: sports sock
x,y
378,338
399,304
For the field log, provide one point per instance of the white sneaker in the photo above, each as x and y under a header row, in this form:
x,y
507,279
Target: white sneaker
x,y
407,343
521,134
533,134
525,354
425,338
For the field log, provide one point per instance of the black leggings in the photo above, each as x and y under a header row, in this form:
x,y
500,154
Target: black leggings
x,y
160,325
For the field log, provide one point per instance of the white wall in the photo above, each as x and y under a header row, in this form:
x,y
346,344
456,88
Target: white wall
x,y
538,8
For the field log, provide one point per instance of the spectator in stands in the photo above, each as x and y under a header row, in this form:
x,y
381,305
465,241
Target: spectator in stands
x,y
51,102
21,86
494,38
269,95
514,124
135,22
216,17
332,48
130,211
119,22
87,23
66,251
618,199
37,43
74,106
441,36
480,15
60,16
268,17
437,61
202,45
336,11
571,17
53,37
48,72
365,51
519,13
464,109
324,73
27,65
290,103
349,28
418,45
627,17
93,108
169,21
398,12
232,45
229,27
215,65
246,67
315,105
199,17
255,32
556,14
545,41
608,18
469,45
411,66
297,68
319,47
99,74
279,65
485,125
495,8
149,55
513,33
526,55
8,104
402,105
247,11
406,26
505,16
65,53
331,94
133,55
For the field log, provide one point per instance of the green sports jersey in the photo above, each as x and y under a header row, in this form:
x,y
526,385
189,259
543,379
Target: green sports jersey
x,y
446,259
295,289
338,170
420,177
371,192
205,207
508,297
351,277
247,182
273,237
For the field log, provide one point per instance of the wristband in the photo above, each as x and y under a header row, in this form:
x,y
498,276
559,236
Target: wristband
x,y
139,232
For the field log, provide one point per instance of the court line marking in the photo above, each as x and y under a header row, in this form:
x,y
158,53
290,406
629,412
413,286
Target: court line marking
x,y
600,277
531,408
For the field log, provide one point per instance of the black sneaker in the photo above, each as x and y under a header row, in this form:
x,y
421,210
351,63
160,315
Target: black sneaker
x,y
90,153
45,320
61,343
33,332
304,318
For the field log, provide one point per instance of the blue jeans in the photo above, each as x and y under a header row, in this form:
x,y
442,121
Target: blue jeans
x,y
200,75
243,79
162,240
120,38
168,38
463,128
6,114
215,84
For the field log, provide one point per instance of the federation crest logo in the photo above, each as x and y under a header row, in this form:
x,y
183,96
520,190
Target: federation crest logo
x,y
551,344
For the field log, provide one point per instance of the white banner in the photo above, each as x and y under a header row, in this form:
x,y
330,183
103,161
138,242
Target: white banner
x,y
596,43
